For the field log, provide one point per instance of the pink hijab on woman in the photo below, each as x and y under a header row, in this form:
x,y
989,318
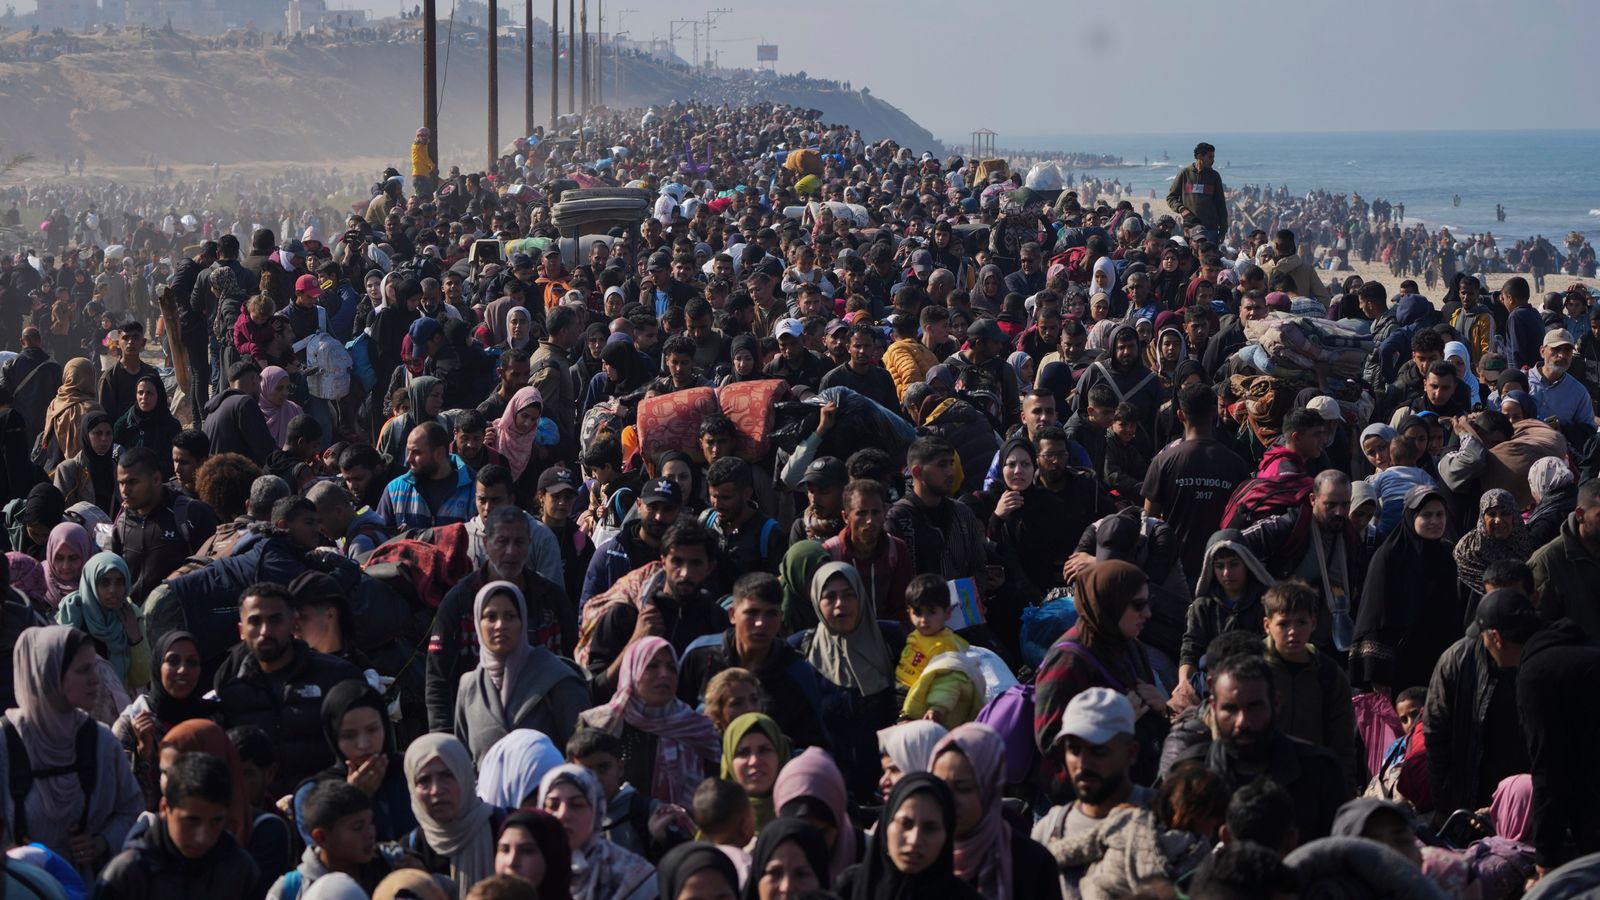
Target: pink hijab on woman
x,y
278,416
983,858
64,533
814,774
27,576
685,739
512,442
1510,806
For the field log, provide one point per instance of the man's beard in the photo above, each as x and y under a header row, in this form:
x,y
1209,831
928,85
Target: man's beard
x,y
1103,787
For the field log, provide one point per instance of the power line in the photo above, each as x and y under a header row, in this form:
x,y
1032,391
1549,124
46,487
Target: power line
x,y
449,40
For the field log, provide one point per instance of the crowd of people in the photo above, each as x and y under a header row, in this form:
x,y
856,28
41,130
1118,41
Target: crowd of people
x,y
857,524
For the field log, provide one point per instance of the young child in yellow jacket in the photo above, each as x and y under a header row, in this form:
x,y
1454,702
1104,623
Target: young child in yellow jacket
x,y
928,604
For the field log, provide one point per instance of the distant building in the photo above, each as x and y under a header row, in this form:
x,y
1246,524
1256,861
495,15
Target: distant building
x,y
67,13
314,15
205,16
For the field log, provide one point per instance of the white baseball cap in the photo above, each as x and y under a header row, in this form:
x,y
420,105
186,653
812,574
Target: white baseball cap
x,y
1097,715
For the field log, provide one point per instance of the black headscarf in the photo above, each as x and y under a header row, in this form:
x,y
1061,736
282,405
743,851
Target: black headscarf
x,y
341,699
878,879
552,840
777,833
102,466
1410,595
167,709
684,860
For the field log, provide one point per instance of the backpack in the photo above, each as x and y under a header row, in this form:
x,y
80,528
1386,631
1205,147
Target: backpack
x,y
1011,714
86,746
1269,495
604,417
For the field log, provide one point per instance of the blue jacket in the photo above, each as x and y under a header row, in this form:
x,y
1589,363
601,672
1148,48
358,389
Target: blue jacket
x,y
404,508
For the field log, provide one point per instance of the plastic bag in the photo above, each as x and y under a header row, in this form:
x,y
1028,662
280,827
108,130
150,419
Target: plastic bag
x,y
1044,624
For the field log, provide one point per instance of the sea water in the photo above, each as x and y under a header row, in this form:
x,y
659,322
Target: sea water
x,y
1548,181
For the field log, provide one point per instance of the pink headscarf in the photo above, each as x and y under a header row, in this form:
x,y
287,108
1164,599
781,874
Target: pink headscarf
x,y
814,774
513,443
27,576
983,858
685,740
277,416
1508,809
65,533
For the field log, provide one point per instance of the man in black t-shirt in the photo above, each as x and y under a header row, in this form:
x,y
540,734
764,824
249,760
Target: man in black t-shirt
x,y
1190,481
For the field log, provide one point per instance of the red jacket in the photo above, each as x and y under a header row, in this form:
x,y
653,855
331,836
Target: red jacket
x,y
885,575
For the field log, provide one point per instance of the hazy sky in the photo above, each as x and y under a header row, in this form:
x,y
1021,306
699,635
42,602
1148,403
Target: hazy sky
x,y
1022,67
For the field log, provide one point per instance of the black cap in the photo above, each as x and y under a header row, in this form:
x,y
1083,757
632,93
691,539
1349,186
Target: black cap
x,y
1115,538
660,260
985,330
825,471
556,478
661,490
1508,611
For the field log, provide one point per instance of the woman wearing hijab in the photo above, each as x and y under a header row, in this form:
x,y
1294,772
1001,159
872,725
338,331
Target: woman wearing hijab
x,y
754,751
425,397
800,564
25,576
1103,650
853,652
455,832
509,776
1456,354
811,788
667,744
1023,521
1000,862
56,677
1410,609
355,720
1555,496
149,422
533,846
991,290
74,400
515,685
264,836
275,404
907,748
1497,535
790,861
519,331
914,855
90,475
744,355
513,436
601,870
101,608
68,549
696,870
175,696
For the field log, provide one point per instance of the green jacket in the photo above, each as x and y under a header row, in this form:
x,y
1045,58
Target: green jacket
x,y
1314,705
1197,197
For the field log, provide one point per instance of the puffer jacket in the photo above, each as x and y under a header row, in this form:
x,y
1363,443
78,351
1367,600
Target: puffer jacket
x,y
970,432
290,713
908,362
153,868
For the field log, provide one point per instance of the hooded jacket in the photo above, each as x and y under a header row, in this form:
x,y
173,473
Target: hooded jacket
x,y
1135,384
1210,614
154,868
1306,281
234,423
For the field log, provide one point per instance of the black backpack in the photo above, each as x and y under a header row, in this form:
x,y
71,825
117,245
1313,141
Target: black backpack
x,y
86,746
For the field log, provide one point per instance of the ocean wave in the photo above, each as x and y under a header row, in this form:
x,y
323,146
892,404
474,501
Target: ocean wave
x,y
1594,212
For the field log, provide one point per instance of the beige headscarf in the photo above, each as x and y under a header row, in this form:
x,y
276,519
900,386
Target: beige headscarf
x,y
467,840
861,659
74,400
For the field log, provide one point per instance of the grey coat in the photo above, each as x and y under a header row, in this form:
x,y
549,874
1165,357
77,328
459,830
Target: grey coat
x,y
548,696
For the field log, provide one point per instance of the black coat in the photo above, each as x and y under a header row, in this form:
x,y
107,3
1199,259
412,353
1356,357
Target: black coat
x,y
235,424
793,688
288,706
1555,694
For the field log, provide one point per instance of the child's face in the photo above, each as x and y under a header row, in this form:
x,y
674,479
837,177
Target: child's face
x,y
194,825
1409,712
1290,633
929,620
351,842
255,780
259,316
1125,431
607,768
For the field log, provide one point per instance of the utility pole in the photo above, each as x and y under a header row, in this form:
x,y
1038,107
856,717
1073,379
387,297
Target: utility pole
x,y
555,63
494,83
711,16
430,77
583,31
599,54
572,57
527,67
616,58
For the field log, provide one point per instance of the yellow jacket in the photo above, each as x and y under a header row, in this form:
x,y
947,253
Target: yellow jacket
x,y
920,649
908,362
421,164
951,684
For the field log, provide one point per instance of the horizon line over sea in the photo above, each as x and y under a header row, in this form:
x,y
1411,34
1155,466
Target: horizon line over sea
x,y
1544,178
